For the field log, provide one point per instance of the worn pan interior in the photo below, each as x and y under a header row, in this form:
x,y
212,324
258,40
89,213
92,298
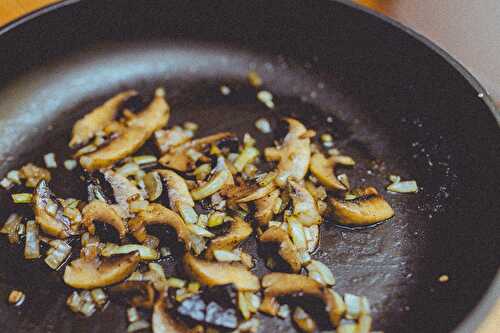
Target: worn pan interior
x,y
397,107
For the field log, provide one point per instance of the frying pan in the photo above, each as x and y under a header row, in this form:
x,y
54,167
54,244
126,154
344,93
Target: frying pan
x,y
397,104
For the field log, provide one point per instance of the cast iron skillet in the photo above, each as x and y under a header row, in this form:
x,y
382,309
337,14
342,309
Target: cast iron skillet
x,y
399,105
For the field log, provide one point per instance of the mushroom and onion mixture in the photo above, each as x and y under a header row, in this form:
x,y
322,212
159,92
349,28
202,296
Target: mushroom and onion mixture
x,y
198,199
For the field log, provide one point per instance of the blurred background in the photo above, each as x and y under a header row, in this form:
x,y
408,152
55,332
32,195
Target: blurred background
x,y
468,30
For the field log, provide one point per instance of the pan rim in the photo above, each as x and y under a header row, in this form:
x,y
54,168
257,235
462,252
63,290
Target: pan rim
x,y
485,305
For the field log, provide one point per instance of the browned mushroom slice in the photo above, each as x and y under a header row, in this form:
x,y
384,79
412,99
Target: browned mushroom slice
x,y
282,284
293,155
264,207
49,213
237,233
158,214
163,322
212,273
137,293
286,249
100,272
305,208
179,196
366,209
324,169
123,190
95,121
178,159
138,131
100,211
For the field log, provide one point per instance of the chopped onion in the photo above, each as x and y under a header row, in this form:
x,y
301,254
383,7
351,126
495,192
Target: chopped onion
x,y
99,297
187,212
344,180
32,245
326,137
19,198
394,178
14,176
347,328
284,311
216,219
202,171
225,90
190,126
213,185
250,326
344,160
303,320
145,252
202,220
176,283
74,302
408,186
11,228
57,254
323,270
132,315
254,79
144,159
85,150
296,231
226,256
6,183
266,97
70,164
364,324
193,287
263,125
200,231
247,156
353,304
88,309
50,160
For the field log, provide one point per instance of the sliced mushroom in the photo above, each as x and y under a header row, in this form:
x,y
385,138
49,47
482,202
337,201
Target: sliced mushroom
x,y
212,273
95,121
123,190
138,293
163,322
131,138
293,155
100,211
287,249
237,233
220,178
178,195
264,207
304,205
282,284
258,193
324,169
55,223
369,208
167,139
178,159
100,272
158,214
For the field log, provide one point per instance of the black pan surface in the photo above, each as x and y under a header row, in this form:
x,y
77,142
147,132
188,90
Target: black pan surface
x,y
398,107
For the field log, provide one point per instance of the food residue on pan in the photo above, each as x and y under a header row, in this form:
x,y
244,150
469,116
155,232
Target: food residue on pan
x,y
207,196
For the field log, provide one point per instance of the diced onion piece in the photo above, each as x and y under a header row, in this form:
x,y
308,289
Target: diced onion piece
x,y
144,159
11,228
145,252
284,311
394,178
254,79
407,186
212,186
202,171
263,125
353,304
226,256
99,296
14,176
57,254
250,326
247,156
132,315
6,183
74,301
303,320
266,97
326,137
50,160
347,328
176,283
153,185
344,180
187,212
20,198
17,297
364,324
70,164
200,231
32,244
325,273
216,219
296,231
88,309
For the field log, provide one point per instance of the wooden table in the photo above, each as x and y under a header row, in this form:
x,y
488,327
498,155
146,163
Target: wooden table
x,y
12,9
